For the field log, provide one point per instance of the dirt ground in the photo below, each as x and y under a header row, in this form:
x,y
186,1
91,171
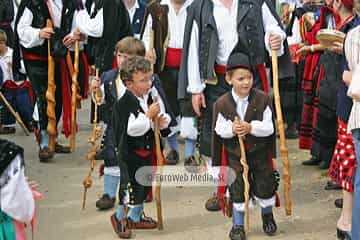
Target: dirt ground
x,y
60,216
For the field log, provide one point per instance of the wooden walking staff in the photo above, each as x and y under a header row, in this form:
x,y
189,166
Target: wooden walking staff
x,y
15,114
283,145
159,163
74,87
245,177
50,96
95,135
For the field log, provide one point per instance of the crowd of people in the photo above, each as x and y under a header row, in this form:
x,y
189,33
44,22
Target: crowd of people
x,y
199,69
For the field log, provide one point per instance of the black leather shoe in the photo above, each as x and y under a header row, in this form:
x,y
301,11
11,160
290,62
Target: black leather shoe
x,y
212,204
324,165
105,202
343,235
330,185
172,158
338,203
311,162
237,233
269,225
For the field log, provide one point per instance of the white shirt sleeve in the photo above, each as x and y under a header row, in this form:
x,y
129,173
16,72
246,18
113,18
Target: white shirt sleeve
x,y
223,127
138,126
29,36
90,26
295,38
146,35
194,85
271,26
265,127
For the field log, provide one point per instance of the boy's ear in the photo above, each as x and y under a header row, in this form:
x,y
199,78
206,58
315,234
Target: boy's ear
x,y
228,78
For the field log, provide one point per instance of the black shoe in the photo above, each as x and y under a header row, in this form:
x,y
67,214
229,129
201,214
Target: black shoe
x,y
7,130
105,202
237,233
338,203
172,158
45,155
212,204
343,235
311,162
291,133
191,165
330,185
269,225
324,165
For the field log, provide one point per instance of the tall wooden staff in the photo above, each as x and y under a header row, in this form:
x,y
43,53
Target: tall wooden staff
x,y
280,124
74,87
50,96
87,182
245,177
160,162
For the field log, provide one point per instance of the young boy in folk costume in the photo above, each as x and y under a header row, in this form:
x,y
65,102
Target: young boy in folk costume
x,y
132,123
17,92
111,86
167,19
253,109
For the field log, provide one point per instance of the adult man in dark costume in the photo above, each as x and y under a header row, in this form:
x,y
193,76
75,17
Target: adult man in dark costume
x,y
32,34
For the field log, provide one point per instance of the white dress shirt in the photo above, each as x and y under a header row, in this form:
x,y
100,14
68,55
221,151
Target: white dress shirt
x,y
176,25
226,26
264,128
4,64
92,27
138,126
29,36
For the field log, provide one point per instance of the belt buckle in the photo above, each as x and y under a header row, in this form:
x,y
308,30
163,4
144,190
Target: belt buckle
x,y
213,80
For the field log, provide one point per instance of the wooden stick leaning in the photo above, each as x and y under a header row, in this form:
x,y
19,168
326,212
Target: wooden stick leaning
x,y
283,145
15,114
160,163
50,96
92,140
74,87
245,177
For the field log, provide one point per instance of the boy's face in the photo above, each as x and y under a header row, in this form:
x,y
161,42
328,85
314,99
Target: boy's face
x,y
2,45
140,84
242,81
121,57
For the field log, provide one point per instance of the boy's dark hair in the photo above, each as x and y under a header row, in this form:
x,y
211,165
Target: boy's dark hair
x,y
133,65
131,46
3,36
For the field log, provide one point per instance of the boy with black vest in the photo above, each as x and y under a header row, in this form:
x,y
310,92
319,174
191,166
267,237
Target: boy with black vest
x,y
132,124
110,86
255,124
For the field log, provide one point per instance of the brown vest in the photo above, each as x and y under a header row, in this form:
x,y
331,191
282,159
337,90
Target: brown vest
x,y
159,15
259,150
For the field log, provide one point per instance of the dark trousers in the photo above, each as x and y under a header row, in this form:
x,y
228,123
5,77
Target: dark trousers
x,y
19,99
38,76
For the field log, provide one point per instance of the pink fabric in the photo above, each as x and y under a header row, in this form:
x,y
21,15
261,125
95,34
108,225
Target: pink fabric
x,y
19,230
